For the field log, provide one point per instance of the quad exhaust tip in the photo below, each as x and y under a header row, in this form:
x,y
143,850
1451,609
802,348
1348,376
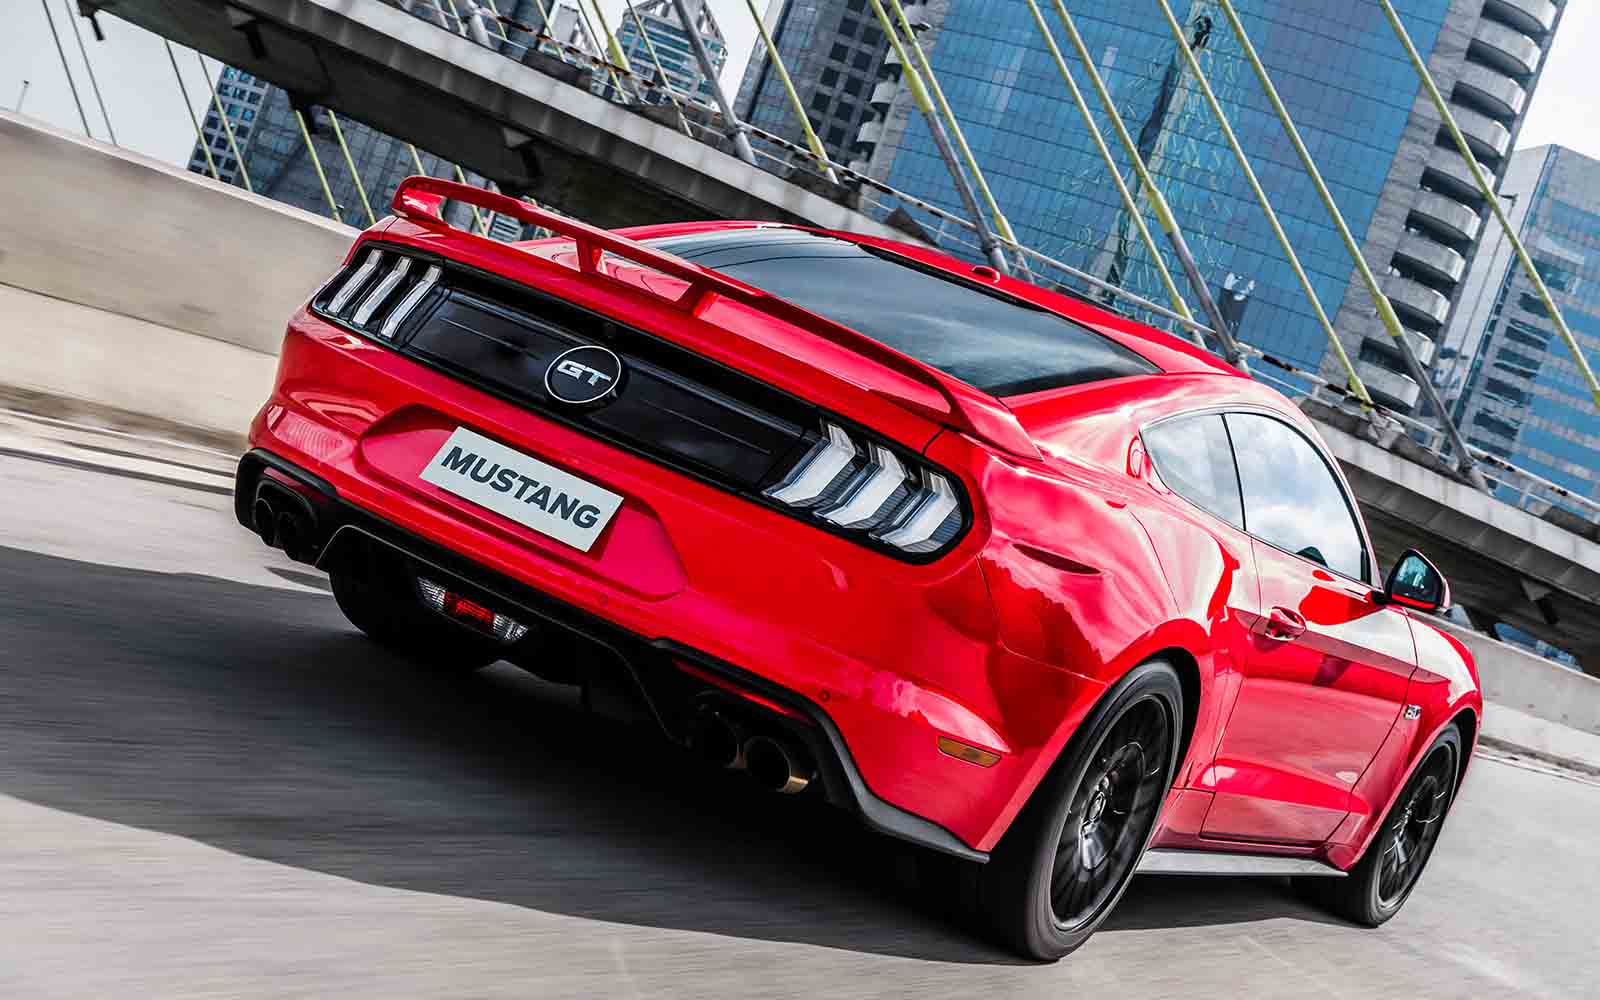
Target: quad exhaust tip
x,y
778,765
284,521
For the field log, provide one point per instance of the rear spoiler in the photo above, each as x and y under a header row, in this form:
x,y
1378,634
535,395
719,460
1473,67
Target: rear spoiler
x,y
420,199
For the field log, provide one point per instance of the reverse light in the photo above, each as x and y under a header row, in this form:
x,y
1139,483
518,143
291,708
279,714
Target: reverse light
x,y
470,613
860,485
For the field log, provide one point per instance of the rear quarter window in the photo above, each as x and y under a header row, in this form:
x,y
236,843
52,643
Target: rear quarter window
x,y
1192,456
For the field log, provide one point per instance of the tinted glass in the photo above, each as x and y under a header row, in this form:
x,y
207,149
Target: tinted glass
x,y
1192,456
1291,498
1413,579
998,344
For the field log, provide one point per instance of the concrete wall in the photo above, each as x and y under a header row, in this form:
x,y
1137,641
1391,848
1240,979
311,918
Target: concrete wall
x,y
1530,684
71,360
92,224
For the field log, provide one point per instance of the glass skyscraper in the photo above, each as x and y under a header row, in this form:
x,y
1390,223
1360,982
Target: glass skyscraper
x,y
1516,389
651,30
1347,84
240,96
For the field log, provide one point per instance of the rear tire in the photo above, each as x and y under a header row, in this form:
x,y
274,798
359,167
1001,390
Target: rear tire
x,y
1384,878
1069,856
378,596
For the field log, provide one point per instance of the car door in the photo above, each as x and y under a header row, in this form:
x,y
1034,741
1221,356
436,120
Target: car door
x,y
1326,668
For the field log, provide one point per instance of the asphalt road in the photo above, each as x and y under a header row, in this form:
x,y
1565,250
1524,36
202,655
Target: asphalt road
x,y
210,786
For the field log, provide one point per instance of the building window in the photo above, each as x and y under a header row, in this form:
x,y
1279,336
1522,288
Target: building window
x,y
862,60
853,85
839,53
829,77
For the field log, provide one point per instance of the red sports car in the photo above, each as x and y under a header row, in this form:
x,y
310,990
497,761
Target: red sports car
x,y
1009,576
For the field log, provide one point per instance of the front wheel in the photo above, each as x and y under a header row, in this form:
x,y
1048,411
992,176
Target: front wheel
x,y
1382,880
1065,862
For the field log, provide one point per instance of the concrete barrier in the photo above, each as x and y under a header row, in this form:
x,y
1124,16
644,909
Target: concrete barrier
x,y
1531,684
103,227
70,360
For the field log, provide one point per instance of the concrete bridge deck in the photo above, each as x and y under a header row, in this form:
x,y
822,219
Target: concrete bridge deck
x,y
528,130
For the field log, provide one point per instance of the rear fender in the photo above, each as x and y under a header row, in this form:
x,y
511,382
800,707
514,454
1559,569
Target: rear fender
x,y
1079,594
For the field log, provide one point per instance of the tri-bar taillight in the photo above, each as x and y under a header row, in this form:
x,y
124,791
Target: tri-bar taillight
x,y
855,484
380,292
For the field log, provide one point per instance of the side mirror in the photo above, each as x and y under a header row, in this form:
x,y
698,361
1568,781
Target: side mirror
x,y
1414,582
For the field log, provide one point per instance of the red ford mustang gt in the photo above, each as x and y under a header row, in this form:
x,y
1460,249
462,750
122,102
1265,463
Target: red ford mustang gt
x,y
1008,576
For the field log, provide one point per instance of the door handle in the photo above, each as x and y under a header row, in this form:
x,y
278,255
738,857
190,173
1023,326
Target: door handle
x,y
1283,625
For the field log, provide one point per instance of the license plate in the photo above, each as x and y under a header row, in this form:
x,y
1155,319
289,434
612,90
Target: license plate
x,y
526,490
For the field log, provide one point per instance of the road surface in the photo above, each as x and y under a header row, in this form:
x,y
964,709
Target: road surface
x,y
210,786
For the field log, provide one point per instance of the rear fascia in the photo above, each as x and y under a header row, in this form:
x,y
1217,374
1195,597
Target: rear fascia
x,y
896,653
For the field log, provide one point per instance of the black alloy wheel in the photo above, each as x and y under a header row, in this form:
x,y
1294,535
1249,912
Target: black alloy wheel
x,y
1408,837
1066,860
1112,813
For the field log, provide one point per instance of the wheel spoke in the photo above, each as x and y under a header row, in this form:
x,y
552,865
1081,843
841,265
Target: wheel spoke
x,y
1111,812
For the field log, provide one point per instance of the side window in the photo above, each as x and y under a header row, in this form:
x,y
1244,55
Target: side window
x,y
1192,456
1291,498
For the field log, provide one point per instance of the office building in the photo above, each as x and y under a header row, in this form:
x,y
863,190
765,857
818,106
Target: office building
x,y
1406,194
834,51
240,96
652,31
1508,375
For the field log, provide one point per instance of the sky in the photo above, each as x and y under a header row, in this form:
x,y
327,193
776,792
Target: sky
x,y
142,97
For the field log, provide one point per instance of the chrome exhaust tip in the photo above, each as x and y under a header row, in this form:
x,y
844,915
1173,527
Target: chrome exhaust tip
x,y
778,765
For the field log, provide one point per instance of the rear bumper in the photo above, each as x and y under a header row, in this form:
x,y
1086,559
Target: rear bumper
x,y
885,657
654,665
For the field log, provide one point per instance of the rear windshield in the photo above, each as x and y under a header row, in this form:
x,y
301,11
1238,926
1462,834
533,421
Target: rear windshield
x,y
998,344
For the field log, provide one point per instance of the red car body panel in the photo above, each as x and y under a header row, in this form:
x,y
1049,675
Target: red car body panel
x,y
1079,564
